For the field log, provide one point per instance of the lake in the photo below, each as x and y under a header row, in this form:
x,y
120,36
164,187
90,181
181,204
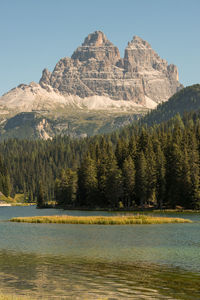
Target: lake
x,y
65,261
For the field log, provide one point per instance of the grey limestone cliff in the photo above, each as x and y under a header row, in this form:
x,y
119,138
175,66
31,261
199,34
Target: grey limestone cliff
x,y
95,68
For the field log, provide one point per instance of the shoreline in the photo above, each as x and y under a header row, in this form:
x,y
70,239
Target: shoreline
x,y
134,210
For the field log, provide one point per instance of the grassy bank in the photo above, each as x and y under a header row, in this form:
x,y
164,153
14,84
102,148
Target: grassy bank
x,y
12,297
23,204
101,220
177,211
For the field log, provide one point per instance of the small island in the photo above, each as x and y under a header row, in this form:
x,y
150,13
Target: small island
x,y
101,220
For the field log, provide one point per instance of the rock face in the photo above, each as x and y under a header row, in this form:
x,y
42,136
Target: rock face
x,y
95,91
95,68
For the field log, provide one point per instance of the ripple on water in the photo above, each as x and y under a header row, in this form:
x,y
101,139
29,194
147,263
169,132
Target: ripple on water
x,y
69,278
58,261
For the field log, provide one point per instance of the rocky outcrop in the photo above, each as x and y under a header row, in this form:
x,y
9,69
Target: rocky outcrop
x,y
95,68
159,79
32,97
97,46
46,75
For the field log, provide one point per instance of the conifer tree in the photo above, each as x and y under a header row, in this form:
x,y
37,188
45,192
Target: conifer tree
x,y
87,182
151,175
128,172
141,179
40,197
6,185
194,164
113,189
174,175
66,188
160,177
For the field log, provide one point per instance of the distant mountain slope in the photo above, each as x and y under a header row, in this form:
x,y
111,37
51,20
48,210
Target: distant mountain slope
x,y
186,100
35,125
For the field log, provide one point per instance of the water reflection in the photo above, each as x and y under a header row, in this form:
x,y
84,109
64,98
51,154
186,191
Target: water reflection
x,y
54,277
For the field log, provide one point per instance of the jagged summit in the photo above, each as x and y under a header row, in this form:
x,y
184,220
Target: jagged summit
x,y
95,68
96,45
94,80
97,39
138,42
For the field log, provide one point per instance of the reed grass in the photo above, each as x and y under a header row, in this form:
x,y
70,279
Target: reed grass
x,y
101,220
13,297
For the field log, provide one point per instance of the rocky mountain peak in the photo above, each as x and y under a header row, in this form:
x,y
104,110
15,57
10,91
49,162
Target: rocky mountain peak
x,y
96,69
46,75
139,54
97,39
96,45
138,42
94,80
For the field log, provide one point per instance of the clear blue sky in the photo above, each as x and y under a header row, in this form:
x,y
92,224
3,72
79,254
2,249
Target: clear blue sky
x,y
36,33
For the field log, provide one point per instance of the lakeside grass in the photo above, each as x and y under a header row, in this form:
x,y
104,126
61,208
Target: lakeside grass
x,y
13,297
177,211
23,204
101,220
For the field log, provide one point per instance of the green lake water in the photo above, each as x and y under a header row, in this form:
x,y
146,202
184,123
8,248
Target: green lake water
x,y
64,261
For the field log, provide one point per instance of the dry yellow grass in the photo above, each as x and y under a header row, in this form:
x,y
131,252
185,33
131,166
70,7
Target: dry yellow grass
x,y
12,297
101,220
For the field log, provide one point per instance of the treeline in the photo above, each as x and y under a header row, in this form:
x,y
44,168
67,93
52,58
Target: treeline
x,y
135,166
5,186
32,164
157,166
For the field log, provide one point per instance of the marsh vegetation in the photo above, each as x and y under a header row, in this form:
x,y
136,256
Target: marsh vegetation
x,y
101,220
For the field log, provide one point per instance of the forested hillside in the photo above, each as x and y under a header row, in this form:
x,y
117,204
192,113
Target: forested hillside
x,y
156,166
137,166
186,100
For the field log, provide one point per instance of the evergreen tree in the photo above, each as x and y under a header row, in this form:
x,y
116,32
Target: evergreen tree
x,y
113,189
174,175
87,182
141,179
40,197
194,164
151,175
161,177
128,171
66,188
6,185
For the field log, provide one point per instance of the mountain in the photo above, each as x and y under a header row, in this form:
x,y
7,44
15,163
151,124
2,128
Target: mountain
x,y
186,100
96,68
94,91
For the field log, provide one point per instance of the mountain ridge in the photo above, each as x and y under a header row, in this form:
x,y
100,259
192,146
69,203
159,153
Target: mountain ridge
x,y
95,80
96,68
186,100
